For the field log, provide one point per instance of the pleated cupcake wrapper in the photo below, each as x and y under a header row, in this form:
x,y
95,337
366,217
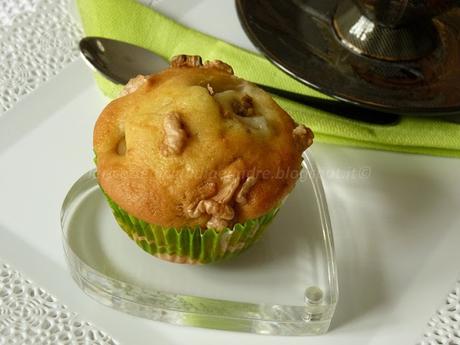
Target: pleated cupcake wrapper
x,y
191,245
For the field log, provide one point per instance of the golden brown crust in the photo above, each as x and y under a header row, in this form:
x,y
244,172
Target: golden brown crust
x,y
220,167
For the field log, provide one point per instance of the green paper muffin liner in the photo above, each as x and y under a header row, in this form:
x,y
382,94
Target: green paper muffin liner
x,y
191,245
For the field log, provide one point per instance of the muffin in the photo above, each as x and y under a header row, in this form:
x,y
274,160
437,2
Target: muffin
x,y
196,162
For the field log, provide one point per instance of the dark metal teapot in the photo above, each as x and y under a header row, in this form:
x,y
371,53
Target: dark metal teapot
x,y
394,13
393,30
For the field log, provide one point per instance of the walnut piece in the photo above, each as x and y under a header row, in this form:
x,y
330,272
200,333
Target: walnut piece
x,y
214,208
186,61
175,135
217,223
247,185
221,214
220,65
219,206
243,107
229,186
195,61
207,190
303,135
210,89
132,85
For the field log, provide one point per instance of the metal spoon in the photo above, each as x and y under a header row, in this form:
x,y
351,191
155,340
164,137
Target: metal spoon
x,y
120,61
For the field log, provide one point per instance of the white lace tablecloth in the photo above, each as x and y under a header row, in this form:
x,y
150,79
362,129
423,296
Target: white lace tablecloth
x,y
31,316
38,38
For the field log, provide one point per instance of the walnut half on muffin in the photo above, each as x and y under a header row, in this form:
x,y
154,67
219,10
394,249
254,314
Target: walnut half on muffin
x,y
195,148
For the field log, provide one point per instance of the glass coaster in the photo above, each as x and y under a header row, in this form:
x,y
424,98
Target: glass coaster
x,y
285,284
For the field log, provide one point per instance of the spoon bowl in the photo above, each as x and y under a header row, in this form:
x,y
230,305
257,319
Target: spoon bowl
x,y
120,61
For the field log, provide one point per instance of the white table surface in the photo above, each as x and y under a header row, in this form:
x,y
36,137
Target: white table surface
x,y
394,216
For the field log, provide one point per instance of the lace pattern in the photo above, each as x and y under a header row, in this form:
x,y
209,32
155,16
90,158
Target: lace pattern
x,y
31,316
444,326
38,38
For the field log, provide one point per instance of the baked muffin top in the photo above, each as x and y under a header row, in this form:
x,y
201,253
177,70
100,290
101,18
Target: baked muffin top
x,y
195,145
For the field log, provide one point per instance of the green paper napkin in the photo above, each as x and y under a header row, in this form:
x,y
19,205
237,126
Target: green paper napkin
x,y
132,22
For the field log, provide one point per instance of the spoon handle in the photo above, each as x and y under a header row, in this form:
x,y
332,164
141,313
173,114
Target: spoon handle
x,y
336,107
